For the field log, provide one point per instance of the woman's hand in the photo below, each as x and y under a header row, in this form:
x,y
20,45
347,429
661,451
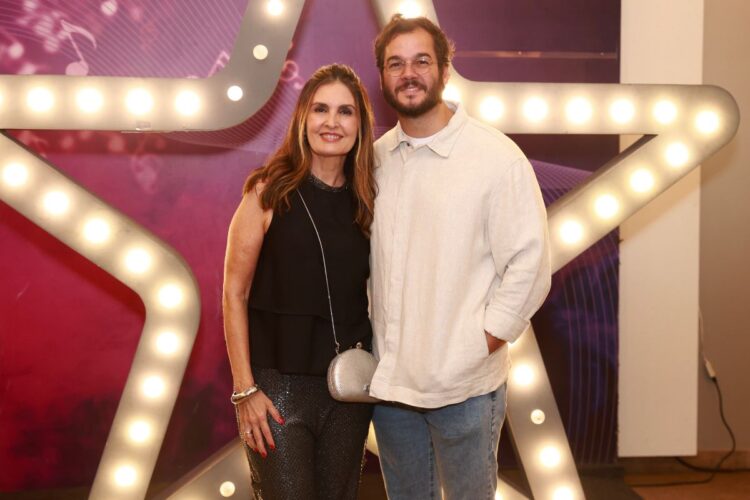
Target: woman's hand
x,y
252,414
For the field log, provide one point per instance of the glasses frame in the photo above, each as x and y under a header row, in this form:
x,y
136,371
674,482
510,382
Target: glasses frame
x,y
400,71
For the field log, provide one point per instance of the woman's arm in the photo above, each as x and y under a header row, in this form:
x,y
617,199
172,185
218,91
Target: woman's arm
x,y
245,239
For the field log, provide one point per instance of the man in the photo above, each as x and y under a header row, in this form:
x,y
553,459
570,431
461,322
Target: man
x,y
460,262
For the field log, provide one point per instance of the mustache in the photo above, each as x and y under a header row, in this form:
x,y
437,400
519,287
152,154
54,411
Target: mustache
x,y
411,82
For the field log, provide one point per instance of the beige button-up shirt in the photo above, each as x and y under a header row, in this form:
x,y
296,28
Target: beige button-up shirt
x,y
459,247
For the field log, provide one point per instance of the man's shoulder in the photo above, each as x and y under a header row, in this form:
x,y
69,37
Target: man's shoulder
x,y
483,138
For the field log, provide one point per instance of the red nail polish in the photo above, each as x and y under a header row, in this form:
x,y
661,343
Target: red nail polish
x,y
282,421
273,447
264,454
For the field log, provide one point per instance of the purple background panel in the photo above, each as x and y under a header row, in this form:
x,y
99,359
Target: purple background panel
x,y
68,331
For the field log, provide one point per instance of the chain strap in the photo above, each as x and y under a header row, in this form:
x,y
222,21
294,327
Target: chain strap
x,y
325,271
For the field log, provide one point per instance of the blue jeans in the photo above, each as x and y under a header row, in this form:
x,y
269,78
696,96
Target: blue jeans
x,y
453,447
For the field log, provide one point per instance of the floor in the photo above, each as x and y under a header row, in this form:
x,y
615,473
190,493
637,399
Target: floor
x,y
735,486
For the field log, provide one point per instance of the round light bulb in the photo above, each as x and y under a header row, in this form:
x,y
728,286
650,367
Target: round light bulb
x,y
535,109
571,232
15,175
274,7
579,110
491,109
96,231
538,417
606,206
665,112
451,93
153,387
234,93
677,154
498,495
707,122
138,260
40,99
523,375
641,181
260,52
170,296
89,100
187,103
410,9
622,111
139,101
56,203
227,489
167,343
139,431
550,457
562,493
125,476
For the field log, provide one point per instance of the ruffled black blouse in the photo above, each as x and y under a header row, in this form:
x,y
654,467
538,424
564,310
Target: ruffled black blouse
x,y
289,318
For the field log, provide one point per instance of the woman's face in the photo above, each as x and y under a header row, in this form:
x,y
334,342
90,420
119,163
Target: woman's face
x,y
332,121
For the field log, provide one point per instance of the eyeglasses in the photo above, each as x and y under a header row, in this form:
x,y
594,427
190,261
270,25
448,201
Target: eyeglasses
x,y
396,67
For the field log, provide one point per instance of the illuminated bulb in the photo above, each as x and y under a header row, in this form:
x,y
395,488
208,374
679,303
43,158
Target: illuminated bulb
x,y
138,260
40,99
125,476
139,431
641,180
538,417
562,493
550,457
677,154
523,375
15,175
275,7
707,122
491,109
167,343
187,103
56,202
89,100
96,231
170,296
139,101
622,111
410,9
260,52
153,387
579,110
571,232
606,206
535,109
498,495
451,93
665,112
227,489
234,93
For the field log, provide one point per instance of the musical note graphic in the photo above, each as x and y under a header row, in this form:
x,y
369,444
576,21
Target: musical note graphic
x,y
220,63
79,67
290,74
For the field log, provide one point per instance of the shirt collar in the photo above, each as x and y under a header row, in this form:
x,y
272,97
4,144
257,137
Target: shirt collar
x,y
445,139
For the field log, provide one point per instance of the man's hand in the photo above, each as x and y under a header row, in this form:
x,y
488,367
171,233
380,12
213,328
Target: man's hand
x,y
493,343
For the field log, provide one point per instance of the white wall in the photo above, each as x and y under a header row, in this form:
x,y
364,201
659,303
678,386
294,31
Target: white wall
x,y
661,42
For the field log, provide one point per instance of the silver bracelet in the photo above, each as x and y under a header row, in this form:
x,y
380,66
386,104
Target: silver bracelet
x,y
238,397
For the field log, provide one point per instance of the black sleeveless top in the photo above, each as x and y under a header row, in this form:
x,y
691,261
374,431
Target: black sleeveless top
x,y
289,318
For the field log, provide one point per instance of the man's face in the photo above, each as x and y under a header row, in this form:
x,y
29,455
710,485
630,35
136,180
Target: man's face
x,y
410,85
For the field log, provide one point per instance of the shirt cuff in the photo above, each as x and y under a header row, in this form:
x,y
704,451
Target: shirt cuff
x,y
504,325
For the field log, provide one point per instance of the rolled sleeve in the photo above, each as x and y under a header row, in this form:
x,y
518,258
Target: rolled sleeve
x,y
517,228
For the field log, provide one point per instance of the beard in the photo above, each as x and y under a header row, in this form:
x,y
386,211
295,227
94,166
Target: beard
x,y
433,97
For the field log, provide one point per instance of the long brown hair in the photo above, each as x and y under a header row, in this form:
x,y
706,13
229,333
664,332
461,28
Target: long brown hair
x,y
290,164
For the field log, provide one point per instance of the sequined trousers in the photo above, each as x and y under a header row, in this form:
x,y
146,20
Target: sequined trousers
x,y
320,448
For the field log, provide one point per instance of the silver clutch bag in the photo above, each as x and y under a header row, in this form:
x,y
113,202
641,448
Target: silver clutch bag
x,y
350,374
351,371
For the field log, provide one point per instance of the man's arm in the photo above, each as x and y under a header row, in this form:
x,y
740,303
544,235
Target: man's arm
x,y
517,228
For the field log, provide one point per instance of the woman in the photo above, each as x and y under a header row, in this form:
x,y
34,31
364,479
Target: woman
x,y
300,442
